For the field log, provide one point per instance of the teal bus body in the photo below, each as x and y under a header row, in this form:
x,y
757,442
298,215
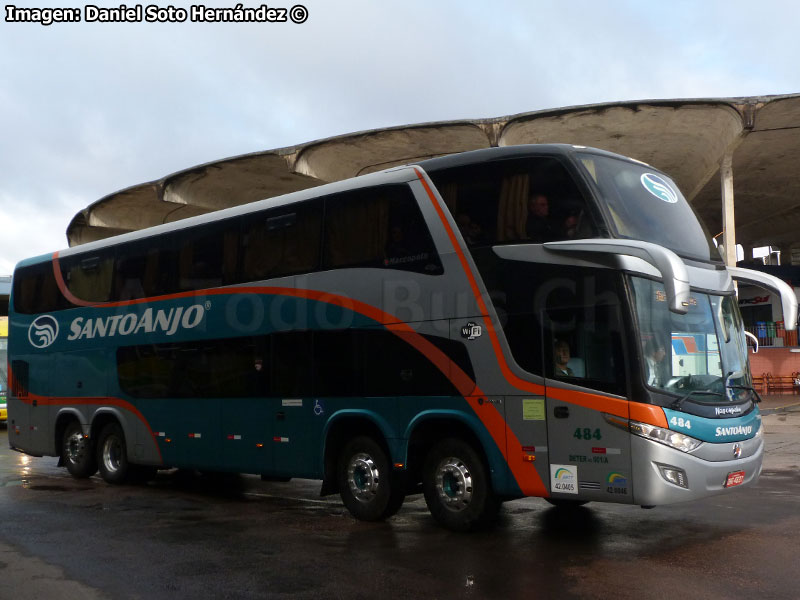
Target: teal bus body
x,y
402,332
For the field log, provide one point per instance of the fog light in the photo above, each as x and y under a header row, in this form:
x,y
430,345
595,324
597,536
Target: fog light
x,y
674,475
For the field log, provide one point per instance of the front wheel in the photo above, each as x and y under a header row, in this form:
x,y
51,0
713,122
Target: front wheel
x,y
457,487
367,486
112,454
77,452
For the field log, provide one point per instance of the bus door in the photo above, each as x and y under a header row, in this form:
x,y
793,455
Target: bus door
x,y
38,383
584,361
294,425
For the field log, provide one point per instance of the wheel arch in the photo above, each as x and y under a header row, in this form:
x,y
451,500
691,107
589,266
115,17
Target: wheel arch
x,y
343,426
430,427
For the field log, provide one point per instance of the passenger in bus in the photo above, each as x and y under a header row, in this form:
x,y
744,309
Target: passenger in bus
x,y
655,354
396,246
569,228
561,356
470,229
538,227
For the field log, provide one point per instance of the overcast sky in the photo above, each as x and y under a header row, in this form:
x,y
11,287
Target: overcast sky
x,y
87,109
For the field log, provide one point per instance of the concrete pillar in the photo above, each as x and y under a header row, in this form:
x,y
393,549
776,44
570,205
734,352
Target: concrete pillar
x,y
728,220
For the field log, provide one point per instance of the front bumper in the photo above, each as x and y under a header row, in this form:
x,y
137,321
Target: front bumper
x,y
703,477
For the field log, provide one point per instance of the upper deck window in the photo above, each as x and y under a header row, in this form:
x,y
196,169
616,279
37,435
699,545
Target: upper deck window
x,y
378,227
529,200
645,205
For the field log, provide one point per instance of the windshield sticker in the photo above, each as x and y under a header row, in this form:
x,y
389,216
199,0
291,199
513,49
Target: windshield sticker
x,y
659,187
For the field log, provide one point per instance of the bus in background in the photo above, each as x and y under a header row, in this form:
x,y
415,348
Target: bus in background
x,y
479,327
3,367
5,290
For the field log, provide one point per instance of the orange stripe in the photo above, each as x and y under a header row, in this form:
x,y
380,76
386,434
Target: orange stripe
x,y
647,413
98,401
63,286
588,400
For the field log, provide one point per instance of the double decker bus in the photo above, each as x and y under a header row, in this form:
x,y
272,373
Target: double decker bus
x,y
545,320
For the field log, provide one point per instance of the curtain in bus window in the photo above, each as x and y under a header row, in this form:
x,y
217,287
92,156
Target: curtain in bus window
x,y
281,242
89,276
356,229
513,208
449,193
207,256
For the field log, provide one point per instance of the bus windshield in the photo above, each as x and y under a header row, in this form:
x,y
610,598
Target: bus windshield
x,y
702,352
645,205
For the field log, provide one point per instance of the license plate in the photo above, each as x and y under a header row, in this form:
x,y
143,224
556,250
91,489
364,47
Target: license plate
x,y
736,478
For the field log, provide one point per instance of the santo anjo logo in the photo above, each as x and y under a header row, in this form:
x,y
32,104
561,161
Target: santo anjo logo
x,y
43,331
659,188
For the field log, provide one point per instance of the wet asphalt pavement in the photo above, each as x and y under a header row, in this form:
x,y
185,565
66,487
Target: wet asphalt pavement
x,y
192,536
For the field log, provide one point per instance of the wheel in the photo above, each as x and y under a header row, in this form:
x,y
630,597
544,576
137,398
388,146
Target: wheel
x,y
367,486
77,452
112,456
456,485
565,503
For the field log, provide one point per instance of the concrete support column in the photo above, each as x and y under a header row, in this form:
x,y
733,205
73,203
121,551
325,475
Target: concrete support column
x,y
728,220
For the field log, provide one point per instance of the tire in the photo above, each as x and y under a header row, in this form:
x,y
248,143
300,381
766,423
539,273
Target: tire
x,y
112,455
77,452
369,489
457,488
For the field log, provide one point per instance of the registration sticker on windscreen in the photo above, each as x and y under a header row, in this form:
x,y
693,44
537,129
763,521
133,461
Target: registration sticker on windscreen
x,y
735,478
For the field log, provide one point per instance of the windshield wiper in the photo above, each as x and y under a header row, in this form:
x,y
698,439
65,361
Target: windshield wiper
x,y
677,404
746,387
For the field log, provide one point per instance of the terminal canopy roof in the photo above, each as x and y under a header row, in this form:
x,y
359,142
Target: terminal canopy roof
x,y
686,138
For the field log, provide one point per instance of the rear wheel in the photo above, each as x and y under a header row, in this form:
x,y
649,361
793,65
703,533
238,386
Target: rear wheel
x,y
77,452
457,487
112,455
367,485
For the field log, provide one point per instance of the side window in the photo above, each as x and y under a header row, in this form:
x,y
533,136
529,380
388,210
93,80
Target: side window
x,y
207,255
36,290
224,368
146,268
337,363
393,367
291,364
531,200
552,330
88,276
378,227
282,241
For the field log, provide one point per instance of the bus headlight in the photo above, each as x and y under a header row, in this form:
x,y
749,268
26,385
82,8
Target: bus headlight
x,y
681,442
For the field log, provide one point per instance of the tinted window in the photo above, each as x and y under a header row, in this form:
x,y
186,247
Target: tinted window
x,y
226,368
288,364
393,367
292,366
146,268
89,276
645,205
521,200
282,241
378,227
338,363
563,322
36,290
207,256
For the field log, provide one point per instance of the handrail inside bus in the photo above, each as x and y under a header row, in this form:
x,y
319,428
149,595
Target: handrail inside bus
x,y
671,267
773,284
